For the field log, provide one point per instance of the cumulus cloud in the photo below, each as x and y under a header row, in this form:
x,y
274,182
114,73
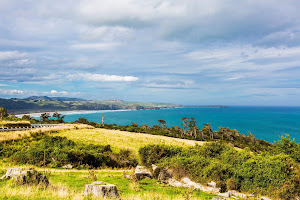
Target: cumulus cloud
x,y
11,92
11,55
101,78
54,92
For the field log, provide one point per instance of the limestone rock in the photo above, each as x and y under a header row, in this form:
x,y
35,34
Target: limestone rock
x,y
164,175
142,172
174,183
11,172
238,194
225,194
265,198
31,177
68,166
212,184
154,167
217,198
190,183
101,189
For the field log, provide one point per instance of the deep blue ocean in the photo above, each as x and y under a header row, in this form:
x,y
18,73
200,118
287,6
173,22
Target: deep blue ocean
x,y
266,123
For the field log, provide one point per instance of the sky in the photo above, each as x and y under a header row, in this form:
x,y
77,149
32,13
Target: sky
x,y
194,52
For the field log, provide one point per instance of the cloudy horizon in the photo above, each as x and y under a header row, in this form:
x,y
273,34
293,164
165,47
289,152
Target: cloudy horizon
x,y
209,52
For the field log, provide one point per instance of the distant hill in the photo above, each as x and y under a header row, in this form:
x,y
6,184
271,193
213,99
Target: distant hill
x,y
51,104
53,98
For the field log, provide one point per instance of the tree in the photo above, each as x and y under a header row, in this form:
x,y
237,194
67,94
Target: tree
x,y
193,127
162,124
208,130
3,113
133,124
45,117
59,117
82,120
26,117
185,123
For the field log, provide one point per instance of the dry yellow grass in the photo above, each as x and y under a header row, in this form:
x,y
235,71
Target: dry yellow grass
x,y
14,135
122,139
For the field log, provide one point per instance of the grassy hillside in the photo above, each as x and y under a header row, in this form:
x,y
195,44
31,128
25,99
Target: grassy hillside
x,y
69,184
122,139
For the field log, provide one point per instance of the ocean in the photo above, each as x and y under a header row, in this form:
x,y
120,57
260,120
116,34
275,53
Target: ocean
x,y
266,123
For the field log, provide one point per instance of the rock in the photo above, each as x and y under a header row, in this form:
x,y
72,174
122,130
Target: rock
x,y
154,167
11,172
174,183
211,189
212,184
225,194
265,198
217,198
68,166
190,183
164,175
238,194
101,189
142,172
31,177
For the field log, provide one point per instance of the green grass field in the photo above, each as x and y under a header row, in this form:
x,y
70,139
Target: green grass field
x,y
69,184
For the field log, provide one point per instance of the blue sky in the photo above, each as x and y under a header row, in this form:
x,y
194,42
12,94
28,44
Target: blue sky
x,y
188,52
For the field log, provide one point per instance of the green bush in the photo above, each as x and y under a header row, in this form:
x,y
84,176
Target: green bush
x,y
59,151
276,175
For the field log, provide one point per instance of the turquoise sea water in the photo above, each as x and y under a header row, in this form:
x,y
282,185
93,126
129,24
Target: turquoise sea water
x,y
266,123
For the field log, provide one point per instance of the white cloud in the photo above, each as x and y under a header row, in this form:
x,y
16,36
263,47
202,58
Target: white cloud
x,y
11,92
11,55
101,78
3,85
106,33
54,92
95,46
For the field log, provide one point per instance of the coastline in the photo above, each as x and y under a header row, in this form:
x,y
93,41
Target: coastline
x,y
71,112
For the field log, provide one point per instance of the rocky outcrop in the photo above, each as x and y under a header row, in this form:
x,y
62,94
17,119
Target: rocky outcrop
x,y
174,183
26,176
68,166
142,172
265,198
101,189
190,183
212,184
31,177
12,172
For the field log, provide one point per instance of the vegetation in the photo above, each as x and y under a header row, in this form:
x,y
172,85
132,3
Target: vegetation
x,y
191,131
276,175
3,113
261,167
9,124
58,151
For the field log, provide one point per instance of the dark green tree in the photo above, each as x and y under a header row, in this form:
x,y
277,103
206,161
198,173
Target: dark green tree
x,y
3,113
193,127
185,124
60,117
26,117
162,124
45,117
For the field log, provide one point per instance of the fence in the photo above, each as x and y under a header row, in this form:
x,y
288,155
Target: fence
x,y
33,126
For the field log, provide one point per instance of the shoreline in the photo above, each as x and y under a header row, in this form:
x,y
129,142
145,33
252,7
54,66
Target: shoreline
x,y
71,112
